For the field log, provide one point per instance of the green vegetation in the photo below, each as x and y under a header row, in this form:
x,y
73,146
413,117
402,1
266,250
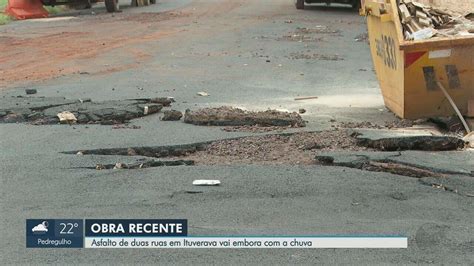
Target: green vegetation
x,y
4,19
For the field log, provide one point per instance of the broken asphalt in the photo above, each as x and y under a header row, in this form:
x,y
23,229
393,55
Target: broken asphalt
x,y
239,53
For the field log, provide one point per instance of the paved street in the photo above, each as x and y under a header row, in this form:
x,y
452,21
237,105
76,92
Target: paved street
x,y
254,54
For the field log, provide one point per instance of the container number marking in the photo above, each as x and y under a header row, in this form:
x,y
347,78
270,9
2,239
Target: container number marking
x,y
386,51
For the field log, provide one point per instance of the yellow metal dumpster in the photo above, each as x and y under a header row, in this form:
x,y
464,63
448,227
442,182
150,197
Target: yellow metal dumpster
x,y
408,71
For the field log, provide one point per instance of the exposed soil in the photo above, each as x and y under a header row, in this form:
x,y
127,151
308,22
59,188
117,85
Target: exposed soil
x,y
89,44
303,148
293,149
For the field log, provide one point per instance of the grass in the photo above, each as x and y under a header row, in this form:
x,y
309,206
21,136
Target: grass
x,y
4,19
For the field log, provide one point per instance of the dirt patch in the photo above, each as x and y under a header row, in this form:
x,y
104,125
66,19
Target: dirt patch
x,y
32,53
293,149
229,116
302,148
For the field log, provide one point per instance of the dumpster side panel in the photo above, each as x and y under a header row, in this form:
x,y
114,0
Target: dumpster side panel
x,y
452,66
388,61
408,71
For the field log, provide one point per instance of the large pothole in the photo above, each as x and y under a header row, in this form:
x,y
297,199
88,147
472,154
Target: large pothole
x,y
303,148
283,149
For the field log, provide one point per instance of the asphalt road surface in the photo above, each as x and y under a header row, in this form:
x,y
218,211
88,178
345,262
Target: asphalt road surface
x,y
256,54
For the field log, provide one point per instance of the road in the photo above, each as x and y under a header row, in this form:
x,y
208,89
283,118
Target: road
x,y
256,54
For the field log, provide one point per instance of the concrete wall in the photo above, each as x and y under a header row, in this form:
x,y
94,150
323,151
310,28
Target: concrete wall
x,y
463,6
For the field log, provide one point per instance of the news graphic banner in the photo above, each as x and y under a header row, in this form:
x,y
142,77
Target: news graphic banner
x,y
173,233
54,233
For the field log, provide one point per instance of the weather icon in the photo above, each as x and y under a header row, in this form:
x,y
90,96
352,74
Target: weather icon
x,y
41,228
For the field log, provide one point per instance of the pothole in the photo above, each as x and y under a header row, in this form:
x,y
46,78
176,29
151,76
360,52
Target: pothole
x,y
302,148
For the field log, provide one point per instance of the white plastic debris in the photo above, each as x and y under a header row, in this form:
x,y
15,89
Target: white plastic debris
x,y
145,110
67,117
202,182
423,34
203,93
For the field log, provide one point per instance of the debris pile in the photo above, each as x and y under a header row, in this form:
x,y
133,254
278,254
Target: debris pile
x,y
284,149
422,21
230,116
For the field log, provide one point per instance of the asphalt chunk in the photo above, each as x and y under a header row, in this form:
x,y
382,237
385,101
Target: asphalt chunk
x,y
423,143
230,116
45,110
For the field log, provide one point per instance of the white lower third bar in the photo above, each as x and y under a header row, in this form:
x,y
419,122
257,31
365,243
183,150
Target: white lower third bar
x,y
247,242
